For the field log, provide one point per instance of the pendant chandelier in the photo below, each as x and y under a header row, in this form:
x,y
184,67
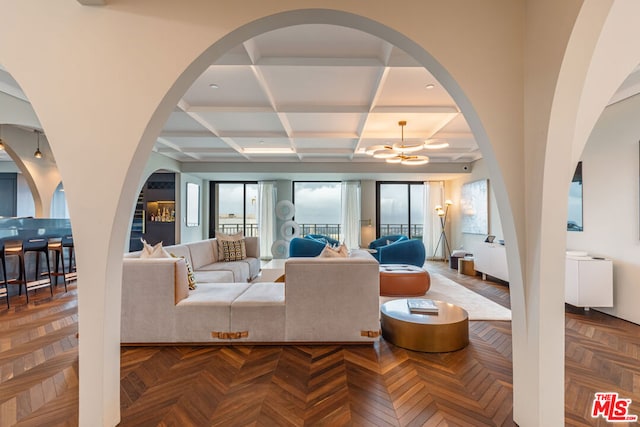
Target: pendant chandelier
x,y
399,152
38,153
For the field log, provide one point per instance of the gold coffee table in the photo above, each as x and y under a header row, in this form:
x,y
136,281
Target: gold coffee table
x,y
434,333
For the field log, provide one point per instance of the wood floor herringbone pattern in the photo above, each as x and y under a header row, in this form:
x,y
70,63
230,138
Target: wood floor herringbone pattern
x,y
380,385
317,385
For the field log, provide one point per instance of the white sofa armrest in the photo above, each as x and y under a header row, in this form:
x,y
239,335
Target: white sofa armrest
x,y
150,290
252,244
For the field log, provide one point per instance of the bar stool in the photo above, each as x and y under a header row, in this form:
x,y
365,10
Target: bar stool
x,y
55,245
4,290
67,242
18,249
38,246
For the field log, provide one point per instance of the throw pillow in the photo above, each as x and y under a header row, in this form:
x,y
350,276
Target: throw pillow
x,y
155,251
220,237
329,252
342,249
233,250
191,277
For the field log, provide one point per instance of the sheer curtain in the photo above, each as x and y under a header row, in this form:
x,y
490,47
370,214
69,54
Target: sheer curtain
x,y
266,217
433,196
350,218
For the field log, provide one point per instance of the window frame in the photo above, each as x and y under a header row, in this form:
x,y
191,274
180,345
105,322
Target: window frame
x,y
214,204
408,185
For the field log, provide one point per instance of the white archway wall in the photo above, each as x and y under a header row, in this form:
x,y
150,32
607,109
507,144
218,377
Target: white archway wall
x,y
482,52
610,202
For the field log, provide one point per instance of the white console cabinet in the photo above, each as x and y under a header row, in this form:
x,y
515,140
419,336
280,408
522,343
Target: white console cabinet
x,y
589,282
490,259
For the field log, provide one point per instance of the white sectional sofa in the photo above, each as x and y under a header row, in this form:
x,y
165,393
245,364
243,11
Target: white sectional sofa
x,y
322,300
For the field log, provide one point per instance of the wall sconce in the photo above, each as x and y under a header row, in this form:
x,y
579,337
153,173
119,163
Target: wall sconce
x,y
365,222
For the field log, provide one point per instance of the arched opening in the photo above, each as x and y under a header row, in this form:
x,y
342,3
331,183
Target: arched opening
x,y
59,208
419,54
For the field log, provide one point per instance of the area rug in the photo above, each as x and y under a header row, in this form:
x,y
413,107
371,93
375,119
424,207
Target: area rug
x,y
478,307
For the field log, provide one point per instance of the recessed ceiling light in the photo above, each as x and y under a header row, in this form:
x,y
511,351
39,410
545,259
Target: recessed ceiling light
x,y
429,86
213,86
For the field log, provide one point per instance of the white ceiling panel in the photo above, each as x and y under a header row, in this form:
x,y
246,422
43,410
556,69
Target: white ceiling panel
x,y
237,87
245,124
217,157
457,125
325,123
407,87
317,85
186,143
257,143
419,125
180,121
326,143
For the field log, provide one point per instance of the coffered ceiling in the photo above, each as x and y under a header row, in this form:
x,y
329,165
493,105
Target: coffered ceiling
x,y
313,93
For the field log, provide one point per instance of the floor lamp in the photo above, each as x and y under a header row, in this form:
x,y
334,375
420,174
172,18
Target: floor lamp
x,y
443,213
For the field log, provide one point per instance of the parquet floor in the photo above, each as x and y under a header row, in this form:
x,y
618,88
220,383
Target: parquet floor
x,y
305,385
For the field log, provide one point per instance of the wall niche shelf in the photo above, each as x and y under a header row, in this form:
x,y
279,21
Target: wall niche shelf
x,y
161,211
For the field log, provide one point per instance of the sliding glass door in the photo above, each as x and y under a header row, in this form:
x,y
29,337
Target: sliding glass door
x,y
234,207
400,208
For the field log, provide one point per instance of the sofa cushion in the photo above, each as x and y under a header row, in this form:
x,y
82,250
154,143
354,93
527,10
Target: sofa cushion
x,y
233,250
254,266
201,253
239,269
214,294
206,310
260,311
221,276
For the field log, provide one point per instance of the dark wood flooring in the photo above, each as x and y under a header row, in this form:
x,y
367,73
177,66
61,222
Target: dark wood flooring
x,y
376,385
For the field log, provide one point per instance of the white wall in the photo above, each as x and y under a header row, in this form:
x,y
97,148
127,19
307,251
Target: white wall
x,y
460,240
610,197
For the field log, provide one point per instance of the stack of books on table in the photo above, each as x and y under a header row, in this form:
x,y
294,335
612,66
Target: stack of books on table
x,y
422,306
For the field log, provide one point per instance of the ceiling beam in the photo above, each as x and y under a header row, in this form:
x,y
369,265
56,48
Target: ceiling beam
x,y
375,95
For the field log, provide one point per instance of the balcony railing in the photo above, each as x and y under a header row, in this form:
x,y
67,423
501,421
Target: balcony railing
x,y
413,230
249,230
332,230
